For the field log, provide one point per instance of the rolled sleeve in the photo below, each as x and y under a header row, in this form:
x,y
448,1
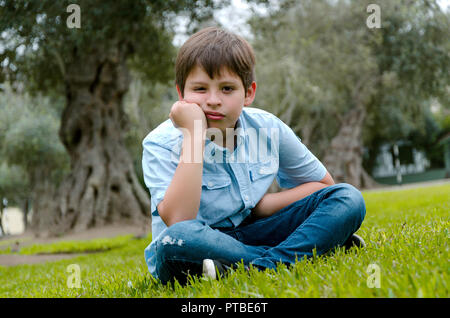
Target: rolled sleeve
x,y
297,164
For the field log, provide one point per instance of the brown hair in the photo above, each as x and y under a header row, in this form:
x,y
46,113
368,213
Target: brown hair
x,y
213,48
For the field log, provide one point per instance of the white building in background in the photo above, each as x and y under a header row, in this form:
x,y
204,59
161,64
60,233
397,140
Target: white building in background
x,y
12,220
414,161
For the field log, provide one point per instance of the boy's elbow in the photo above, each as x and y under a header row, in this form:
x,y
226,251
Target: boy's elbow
x,y
170,217
328,180
165,217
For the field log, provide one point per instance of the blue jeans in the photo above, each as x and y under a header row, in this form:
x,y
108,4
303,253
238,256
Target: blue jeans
x,y
321,221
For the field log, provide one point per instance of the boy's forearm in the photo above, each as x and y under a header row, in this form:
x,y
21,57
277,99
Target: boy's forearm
x,y
273,202
182,199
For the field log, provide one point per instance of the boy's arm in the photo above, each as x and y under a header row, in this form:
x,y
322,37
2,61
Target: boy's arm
x,y
182,198
273,202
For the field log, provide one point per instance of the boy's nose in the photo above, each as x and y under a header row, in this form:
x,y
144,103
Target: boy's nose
x,y
213,99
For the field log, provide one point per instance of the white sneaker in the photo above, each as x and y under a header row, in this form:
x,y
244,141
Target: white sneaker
x,y
209,268
355,240
213,268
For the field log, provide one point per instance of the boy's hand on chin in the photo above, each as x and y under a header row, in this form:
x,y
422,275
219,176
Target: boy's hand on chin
x,y
183,114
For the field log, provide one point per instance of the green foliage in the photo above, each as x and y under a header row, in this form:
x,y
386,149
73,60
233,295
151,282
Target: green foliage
x,y
317,60
33,142
413,57
317,67
39,49
406,234
29,134
14,183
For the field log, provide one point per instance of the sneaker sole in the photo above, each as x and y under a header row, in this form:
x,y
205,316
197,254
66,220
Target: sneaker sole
x,y
361,243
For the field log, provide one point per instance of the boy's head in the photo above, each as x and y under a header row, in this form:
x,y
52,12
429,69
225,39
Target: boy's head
x,y
214,49
215,69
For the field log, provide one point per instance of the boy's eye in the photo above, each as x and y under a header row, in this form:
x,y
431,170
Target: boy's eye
x,y
227,89
198,89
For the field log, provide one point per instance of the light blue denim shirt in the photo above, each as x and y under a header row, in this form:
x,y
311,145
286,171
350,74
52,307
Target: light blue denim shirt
x,y
232,182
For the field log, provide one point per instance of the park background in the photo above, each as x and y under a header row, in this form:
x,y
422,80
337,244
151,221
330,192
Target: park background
x,y
372,102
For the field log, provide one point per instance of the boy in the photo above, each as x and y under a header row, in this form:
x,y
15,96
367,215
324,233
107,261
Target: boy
x,y
209,166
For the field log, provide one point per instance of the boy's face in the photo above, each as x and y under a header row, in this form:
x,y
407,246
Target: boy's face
x,y
225,95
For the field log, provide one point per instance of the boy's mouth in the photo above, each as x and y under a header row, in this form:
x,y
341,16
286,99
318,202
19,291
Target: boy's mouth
x,y
214,115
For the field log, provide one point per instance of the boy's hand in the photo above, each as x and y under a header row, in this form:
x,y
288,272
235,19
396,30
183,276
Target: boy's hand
x,y
183,114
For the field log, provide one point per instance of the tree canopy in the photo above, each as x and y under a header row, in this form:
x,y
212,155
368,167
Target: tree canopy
x,y
37,44
90,67
323,63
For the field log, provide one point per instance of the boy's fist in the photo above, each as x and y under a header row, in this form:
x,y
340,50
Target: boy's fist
x,y
183,114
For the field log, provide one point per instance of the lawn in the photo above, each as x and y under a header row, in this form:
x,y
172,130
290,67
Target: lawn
x,y
407,255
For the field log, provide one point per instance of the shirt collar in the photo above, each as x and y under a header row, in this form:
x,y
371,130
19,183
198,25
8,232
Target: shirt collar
x,y
240,133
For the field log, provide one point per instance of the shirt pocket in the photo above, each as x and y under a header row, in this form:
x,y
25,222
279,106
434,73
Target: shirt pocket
x,y
215,199
263,170
214,181
216,202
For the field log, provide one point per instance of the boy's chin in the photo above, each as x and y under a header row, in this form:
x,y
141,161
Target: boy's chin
x,y
212,124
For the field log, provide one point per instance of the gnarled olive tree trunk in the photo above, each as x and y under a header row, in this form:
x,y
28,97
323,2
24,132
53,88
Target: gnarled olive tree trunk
x,y
102,187
43,202
344,157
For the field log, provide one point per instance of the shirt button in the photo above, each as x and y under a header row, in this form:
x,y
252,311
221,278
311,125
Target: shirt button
x,y
261,171
210,184
246,197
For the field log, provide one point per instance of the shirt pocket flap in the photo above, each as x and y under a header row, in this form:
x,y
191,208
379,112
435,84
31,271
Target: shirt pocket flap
x,y
262,170
214,181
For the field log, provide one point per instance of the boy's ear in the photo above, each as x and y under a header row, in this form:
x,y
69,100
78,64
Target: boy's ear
x,y
251,93
180,96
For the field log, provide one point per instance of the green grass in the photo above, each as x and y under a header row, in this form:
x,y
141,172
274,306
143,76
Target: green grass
x,y
12,241
95,245
407,236
429,175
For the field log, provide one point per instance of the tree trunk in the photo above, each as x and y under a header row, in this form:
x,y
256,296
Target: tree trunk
x,y
43,200
102,187
344,157
25,209
1,216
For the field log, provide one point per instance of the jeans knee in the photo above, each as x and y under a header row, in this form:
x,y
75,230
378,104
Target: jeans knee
x,y
184,228
176,236
355,202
